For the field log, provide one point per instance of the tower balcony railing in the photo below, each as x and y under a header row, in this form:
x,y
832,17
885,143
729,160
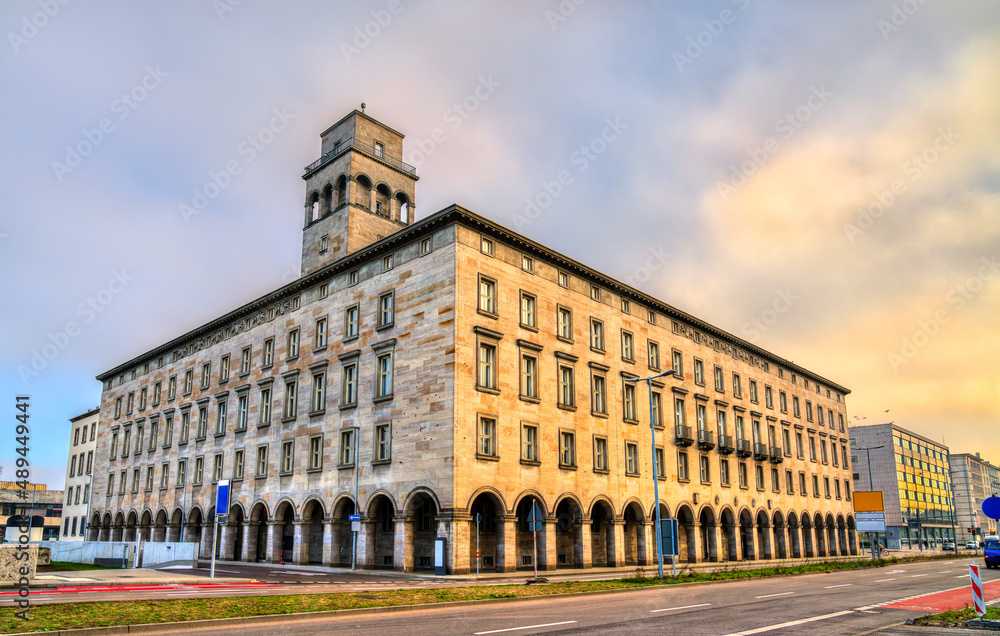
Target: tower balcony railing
x,y
760,452
777,456
743,448
726,446
368,149
683,435
706,440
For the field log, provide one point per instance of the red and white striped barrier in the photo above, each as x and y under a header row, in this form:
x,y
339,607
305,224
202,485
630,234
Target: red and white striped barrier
x,y
977,590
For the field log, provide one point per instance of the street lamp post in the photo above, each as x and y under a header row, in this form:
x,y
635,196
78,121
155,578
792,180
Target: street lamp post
x,y
871,486
357,508
656,472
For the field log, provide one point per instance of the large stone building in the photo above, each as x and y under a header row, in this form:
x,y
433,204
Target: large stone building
x,y
463,369
79,474
36,508
971,477
912,471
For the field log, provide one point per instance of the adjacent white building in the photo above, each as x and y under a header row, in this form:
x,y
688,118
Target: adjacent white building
x,y
79,470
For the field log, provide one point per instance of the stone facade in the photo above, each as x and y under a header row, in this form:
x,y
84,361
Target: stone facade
x,y
462,428
970,477
79,470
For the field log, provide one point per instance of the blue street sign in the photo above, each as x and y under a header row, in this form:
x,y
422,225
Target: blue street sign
x,y
354,518
668,537
535,518
222,497
991,507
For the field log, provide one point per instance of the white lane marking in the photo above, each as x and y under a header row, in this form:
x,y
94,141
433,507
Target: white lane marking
x,y
514,629
671,609
778,594
884,580
761,630
914,576
830,587
946,571
962,576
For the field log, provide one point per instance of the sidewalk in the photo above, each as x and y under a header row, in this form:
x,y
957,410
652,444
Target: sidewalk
x,y
141,576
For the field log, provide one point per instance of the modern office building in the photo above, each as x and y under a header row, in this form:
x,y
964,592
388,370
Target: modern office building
x,y
79,474
972,478
912,472
460,369
36,507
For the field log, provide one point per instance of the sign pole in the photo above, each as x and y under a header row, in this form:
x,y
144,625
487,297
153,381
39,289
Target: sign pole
x,y
534,535
215,545
479,518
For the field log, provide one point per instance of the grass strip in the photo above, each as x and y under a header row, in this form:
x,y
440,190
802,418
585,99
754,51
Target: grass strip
x,y
958,616
45,618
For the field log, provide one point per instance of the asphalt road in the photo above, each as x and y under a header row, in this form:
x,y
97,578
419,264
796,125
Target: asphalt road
x,y
834,603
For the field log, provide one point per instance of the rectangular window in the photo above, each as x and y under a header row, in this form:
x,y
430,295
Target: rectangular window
x,y
629,406
157,391
567,449
487,296
261,467
127,442
724,471
386,309
118,407
352,277
347,447
742,470
321,332
528,264
349,384
840,418
628,351
154,434
529,376
704,469
486,246
812,448
699,372
566,385
217,468
90,460
487,377
678,362
114,445
631,458
819,415
682,466
789,483
565,324
220,419
786,439
383,443
809,411
293,344
529,442
351,322
387,263
185,426
206,374
783,401
836,485
657,409
679,411
661,470
815,486
164,478
737,386
139,434
799,450
142,399
753,391
563,279
265,406
290,395
599,403
654,355
199,469
600,454
267,357
224,369
245,361
768,397
626,305
759,472
775,480
383,366
596,335
181,472
487,436
135,480
315,452
802,484
131,401
242,411
172,387
188,381
238,464
528,313
318,392
287,457
720,381
702,416
379,150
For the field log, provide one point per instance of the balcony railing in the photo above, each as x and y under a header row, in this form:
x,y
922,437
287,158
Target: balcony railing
x,y
363,147
760,452
706,440
684,437
776,455
743,448
726,444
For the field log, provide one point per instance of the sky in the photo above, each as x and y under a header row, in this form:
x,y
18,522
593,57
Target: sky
x,y
818,179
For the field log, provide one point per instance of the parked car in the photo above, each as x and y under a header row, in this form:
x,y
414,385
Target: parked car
x,y
992,553
948,545
971,545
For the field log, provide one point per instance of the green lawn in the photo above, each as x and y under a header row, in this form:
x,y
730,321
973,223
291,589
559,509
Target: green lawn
x,y
958,616
103,614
